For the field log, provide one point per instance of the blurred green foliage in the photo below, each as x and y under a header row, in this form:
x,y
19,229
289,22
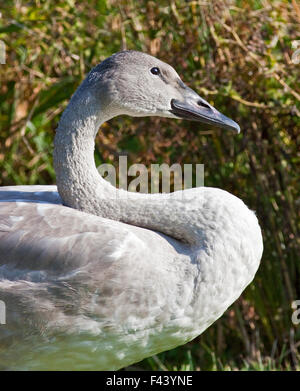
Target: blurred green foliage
x,y
238,55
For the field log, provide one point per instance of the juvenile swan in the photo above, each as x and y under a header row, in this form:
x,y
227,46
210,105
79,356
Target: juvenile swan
x,y
93,277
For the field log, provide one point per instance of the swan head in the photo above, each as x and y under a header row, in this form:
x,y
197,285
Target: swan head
x,y
139,85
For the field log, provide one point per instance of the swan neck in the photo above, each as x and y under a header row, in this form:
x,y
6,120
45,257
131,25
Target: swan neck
x,y
180,215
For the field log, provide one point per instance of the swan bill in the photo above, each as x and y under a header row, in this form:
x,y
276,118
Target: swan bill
x,y
202,111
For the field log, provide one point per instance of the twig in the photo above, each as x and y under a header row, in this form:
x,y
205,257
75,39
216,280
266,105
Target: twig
x,y
283,83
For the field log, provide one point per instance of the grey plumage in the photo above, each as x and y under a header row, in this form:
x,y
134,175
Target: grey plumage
x,y
111,277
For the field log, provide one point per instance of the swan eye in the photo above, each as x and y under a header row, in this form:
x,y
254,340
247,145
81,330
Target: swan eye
x,y
155,71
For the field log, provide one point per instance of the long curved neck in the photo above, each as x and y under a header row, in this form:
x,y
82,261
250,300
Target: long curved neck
x,y
193,216
82,187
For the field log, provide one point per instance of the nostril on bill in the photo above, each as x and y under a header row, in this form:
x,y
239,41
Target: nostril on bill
x,y
203,104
